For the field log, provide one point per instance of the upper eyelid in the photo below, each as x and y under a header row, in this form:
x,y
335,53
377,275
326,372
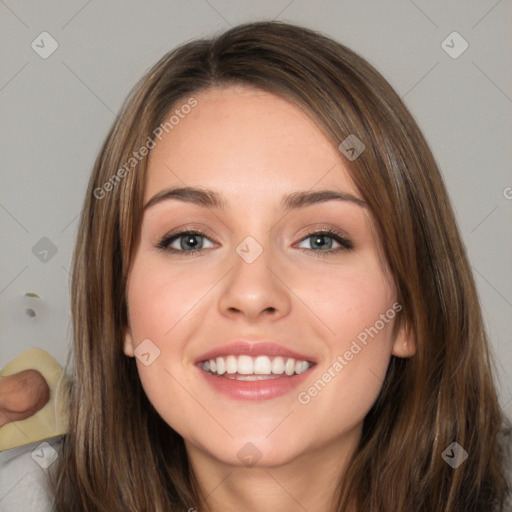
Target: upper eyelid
x,y
305,234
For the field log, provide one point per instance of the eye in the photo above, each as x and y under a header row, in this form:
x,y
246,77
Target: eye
x,y
318,240
186,240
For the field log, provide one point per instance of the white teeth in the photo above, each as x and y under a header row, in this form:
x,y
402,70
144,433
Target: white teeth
x,y
245,365
278,365
262,365
255,366
231,364
221,365
289,367
301,366
254,377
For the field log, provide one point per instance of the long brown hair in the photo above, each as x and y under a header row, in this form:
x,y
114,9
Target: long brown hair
x,y
120,455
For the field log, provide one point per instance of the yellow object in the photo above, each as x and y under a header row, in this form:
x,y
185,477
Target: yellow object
x,y
52,419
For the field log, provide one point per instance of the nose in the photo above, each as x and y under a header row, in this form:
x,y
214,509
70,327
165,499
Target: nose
x,y
255,290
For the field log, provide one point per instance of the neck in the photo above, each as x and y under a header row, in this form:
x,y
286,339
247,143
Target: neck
x,y
308,482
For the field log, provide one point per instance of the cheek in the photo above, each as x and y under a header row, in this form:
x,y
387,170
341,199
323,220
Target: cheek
x,y
347,299
167,307
160,297
357,317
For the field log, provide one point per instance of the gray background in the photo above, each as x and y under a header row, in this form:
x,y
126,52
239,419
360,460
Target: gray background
x,y
55,113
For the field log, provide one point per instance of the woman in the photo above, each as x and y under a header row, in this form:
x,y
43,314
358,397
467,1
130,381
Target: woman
x,y
258,371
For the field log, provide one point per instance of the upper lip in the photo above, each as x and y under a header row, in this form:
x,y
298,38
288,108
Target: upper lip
x,y
268,348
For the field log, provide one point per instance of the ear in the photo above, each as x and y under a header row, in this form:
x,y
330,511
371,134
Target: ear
x,y
405,342
128,343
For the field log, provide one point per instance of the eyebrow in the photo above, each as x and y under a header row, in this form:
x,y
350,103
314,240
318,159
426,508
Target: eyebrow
x,y
213,199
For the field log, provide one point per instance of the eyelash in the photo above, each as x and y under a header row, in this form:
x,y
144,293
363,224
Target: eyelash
x,y
345,244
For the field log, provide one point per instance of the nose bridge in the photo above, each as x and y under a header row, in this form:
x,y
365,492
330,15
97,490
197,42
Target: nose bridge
x,y
254,259
258,247
252,285
253,231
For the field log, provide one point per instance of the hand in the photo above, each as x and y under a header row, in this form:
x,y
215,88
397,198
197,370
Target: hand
x,y
22,395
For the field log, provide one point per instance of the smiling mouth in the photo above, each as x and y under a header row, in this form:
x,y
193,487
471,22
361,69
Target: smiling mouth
x,y
249,368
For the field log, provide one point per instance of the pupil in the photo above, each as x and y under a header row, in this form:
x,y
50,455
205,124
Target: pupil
x,y
191,239
320,237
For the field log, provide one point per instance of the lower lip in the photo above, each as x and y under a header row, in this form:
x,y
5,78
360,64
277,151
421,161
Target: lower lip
x,y
256,389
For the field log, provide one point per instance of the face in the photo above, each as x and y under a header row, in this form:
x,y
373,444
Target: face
x,y
306,280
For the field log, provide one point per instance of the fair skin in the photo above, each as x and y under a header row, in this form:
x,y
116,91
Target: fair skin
x,y
22,394
254,148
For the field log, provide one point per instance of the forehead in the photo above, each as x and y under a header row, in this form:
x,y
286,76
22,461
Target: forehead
x,y
240,139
